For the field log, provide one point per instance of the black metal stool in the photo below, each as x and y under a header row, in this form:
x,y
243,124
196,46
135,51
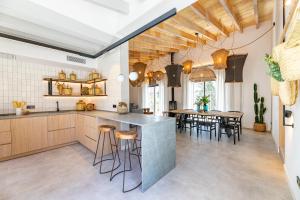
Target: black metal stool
x,y
106,129
126,136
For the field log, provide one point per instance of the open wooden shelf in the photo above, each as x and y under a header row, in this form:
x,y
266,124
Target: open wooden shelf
x,y
76,81
56,95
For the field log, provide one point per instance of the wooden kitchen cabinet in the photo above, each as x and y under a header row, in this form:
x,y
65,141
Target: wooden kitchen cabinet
x,y
57,122
61,136
5,125
28,134
5,137
5,150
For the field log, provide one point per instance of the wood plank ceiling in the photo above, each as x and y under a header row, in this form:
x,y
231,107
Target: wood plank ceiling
x,y
211,19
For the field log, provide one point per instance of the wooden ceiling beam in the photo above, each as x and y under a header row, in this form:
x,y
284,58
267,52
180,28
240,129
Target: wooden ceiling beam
x,y
147,46
159,53
255,10
182,21
170,29
200,12
147,40
229,10
156,34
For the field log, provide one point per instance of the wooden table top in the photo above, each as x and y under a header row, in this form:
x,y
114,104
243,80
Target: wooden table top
x,y
209,113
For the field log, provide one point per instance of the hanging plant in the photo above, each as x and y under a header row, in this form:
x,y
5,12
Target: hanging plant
x,y
274,69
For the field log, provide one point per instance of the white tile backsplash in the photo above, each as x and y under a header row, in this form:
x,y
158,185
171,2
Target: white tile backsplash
x,y
23,81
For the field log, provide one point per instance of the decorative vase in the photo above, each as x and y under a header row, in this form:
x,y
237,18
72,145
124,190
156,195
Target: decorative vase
x,y
198,108
259,127
205,108
18,111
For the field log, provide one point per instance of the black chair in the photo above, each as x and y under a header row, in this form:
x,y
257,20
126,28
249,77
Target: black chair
x,y
239,120
206,123
231,127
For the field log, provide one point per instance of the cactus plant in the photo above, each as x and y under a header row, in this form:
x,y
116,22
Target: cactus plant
x,y
260,109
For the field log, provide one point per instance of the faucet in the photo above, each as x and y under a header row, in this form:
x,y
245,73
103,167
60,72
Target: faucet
x,y
57,106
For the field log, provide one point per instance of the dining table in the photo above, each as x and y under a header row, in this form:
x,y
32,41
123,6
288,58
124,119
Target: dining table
x,y
226,114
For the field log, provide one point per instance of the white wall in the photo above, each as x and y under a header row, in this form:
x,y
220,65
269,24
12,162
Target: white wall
x,y
22,80
110,66
42,53
292,136
255,69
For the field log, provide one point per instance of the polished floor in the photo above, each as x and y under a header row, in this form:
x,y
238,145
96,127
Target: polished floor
x,y
205,170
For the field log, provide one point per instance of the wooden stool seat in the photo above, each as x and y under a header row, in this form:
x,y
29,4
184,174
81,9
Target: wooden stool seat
x,y
106,128
126,135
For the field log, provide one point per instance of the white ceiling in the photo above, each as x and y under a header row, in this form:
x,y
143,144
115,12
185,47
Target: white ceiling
x,y
87,26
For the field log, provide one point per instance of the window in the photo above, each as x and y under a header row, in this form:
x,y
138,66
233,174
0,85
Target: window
x,y
153,100
210,89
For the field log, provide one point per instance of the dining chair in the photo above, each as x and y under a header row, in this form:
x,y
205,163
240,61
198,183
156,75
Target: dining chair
x,y
231,128
206,123
239,120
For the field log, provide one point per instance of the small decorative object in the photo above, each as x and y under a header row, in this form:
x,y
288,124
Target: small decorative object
x,y
62,75
122,108
205,100
84,91
95,90
19,105
220,58
259,110
60,88
133,76
158,75
94,75
73,76
67,91
187,66
120,78
198,103
80,105
90,107
274,69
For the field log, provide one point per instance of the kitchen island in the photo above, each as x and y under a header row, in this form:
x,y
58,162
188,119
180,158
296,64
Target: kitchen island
x,y
37,132
158,136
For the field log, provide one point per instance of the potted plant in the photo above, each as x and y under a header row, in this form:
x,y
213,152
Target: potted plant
x,y
260,110
198,103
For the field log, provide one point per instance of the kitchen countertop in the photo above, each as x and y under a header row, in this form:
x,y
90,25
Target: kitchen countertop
x,y
130,118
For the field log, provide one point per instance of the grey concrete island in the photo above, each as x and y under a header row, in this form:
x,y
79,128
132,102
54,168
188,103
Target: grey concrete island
x,y
158,135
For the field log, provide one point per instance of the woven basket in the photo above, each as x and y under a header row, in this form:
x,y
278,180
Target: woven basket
x,y
289,63
293,39
288,92
274,87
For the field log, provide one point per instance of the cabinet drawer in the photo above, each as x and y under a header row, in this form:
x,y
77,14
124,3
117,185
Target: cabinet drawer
x,y
61,136
5,150
4,125
5,138
57,122
90,122
89,143
91,133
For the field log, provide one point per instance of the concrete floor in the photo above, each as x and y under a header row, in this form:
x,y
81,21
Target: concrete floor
x,y
205,170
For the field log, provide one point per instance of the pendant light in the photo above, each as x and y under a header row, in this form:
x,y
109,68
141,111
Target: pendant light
x,y
133,76
187,66
220,58
158,75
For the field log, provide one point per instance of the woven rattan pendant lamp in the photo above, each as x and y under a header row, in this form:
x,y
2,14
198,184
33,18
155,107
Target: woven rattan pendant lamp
x,y
220,58
202,74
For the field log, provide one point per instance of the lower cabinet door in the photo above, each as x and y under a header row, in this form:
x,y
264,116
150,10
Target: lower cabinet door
x,y
5,150
61,136
28,134
89,143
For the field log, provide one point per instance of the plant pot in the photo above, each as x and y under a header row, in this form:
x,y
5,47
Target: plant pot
x,y
258,127
18,111
205,108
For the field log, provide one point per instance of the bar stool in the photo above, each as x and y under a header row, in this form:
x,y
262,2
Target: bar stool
x,y
126,136
106,129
